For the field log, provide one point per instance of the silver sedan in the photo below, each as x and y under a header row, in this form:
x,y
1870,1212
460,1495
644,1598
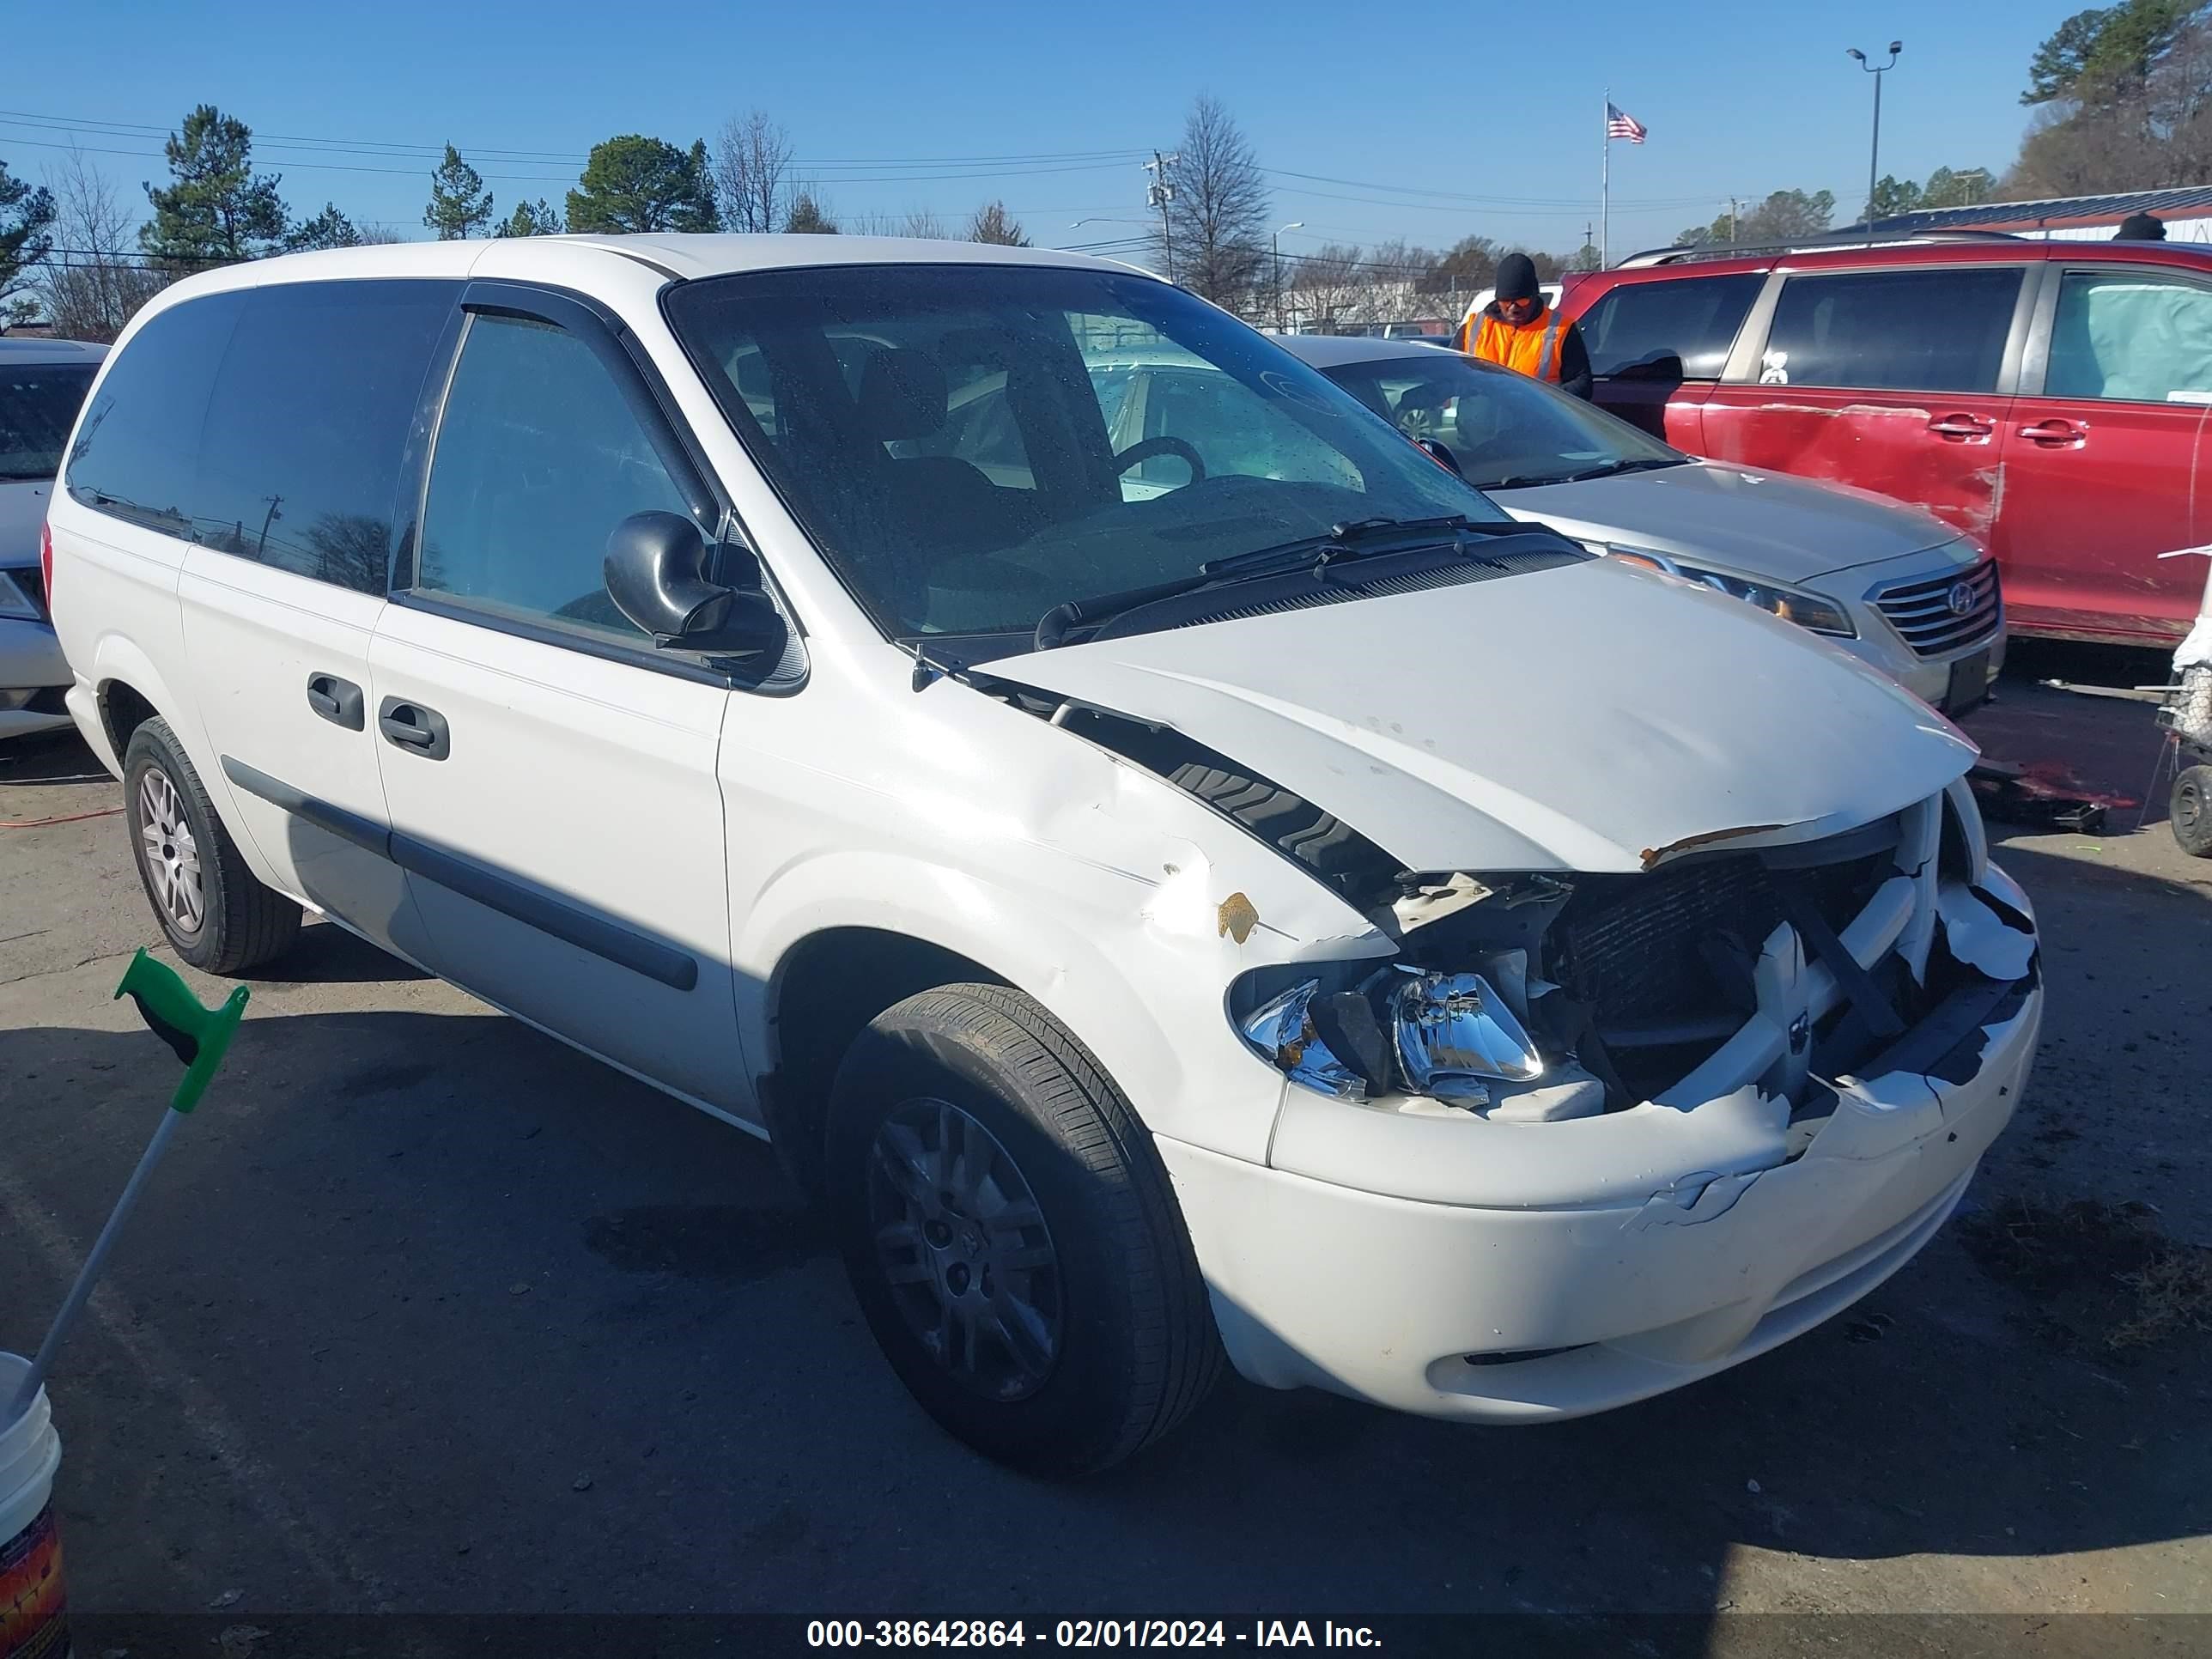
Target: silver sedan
x,y
1891,584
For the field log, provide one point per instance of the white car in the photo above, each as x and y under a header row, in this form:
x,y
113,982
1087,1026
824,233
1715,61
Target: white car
x,y
1891,584
42,386
1300,916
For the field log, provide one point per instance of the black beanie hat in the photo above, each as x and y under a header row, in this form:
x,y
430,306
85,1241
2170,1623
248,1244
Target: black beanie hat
x,y
1516,277
2140,227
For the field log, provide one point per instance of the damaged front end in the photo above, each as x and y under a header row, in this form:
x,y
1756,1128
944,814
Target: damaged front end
x,y
1778,974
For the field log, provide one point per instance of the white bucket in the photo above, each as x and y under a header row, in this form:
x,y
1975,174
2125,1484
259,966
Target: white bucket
x,y
31,1600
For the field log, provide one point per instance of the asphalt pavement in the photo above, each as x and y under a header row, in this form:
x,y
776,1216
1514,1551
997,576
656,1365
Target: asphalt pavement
x,y
427,1314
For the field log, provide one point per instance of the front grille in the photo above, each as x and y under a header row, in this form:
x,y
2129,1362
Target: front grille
x,y
1648,955
1921,611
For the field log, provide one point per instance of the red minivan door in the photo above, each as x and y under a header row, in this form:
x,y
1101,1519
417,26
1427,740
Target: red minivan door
x,y
1894,379
2103,462
1657,344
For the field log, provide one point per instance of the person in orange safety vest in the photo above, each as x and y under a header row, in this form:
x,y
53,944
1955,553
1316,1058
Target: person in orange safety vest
x,y
1519,331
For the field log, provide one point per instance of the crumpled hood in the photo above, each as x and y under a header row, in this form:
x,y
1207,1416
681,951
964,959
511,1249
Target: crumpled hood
x,y
1751,522
22,510
1593,717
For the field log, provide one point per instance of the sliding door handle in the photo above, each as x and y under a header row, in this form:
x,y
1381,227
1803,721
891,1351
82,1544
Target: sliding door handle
x,y
410,726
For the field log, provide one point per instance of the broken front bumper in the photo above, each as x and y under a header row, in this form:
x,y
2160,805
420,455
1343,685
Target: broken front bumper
x,y
1560,1308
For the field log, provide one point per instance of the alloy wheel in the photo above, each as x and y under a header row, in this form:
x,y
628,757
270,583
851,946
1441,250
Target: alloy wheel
x,y
171,856
963,1244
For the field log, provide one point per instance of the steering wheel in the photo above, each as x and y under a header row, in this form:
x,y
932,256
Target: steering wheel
x,y
1145,448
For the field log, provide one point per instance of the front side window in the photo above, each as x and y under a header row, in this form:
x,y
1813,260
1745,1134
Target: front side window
x,y
970,445
307,429
1505,430
2138,337
1896,330
539,456
1677,329
38,404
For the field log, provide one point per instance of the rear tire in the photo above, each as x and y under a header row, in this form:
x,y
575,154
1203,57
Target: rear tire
x,y
2191,812
1011,1236
217,914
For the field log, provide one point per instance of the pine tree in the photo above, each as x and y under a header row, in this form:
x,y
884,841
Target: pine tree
x,y
992,223
215,210
328,228
460,204
538,218
633,183
25,216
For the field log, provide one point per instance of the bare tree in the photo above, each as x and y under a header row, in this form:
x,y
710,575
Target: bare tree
x,y
752,174
992,224
94,280
1217,214
923,222
1321,288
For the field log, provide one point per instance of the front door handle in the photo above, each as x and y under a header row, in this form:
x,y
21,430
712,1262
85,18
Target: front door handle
x,y
412,726
1962,426
338,701
2054,432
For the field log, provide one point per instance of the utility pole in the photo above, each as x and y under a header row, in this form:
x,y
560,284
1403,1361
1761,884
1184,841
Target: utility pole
x,y
1733,201
1873,153
1295,224
1158,194
262,549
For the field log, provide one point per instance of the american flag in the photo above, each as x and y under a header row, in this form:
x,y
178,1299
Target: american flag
x,y
1620,124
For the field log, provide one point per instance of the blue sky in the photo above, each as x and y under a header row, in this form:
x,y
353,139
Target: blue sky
x,y
1741,98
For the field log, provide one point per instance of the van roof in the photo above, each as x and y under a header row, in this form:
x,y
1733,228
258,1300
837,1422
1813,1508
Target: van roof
x,y
677,257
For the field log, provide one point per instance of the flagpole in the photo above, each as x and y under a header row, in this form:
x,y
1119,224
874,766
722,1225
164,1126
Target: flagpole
x,y
1605,183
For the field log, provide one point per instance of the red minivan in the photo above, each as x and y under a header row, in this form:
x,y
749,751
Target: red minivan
x,y
2052,399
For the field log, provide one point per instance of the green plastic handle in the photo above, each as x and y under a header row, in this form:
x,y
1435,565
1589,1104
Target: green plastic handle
x,y
199,1036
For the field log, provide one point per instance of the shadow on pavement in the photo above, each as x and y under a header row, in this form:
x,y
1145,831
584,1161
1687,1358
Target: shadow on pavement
x,y
495,1328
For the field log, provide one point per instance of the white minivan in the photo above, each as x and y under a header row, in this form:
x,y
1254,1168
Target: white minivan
x,y
1297,916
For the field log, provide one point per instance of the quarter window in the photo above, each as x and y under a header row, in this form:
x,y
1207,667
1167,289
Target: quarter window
x,y
137,452
307,429
2138,337
1679,329
1900,331
539,457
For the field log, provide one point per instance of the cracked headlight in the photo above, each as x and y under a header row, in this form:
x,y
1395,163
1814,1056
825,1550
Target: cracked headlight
x,y
1402,1029
1809,612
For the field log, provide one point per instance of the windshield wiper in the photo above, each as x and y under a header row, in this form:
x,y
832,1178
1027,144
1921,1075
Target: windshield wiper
x,y
1603,470
1357,538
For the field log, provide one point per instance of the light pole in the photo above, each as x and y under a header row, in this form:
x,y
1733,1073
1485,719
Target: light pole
x,y
1295,224
1873,154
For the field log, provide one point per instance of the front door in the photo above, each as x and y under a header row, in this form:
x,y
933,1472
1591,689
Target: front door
x,y
551,776
1898,380
2104,465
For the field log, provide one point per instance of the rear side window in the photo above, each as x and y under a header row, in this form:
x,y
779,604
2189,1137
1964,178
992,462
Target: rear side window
x,y
137,453
38,404
299,461
1662,331
539,457
1900,331
2136,337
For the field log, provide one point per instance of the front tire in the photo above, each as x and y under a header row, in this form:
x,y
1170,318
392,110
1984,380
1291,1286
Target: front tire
x,y
1011,1236
2191,811
216,912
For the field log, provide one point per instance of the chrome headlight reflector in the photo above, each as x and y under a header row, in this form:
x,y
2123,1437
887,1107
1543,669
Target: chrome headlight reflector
x,y
1282,1029
1810,612
1452,1029
1404,1029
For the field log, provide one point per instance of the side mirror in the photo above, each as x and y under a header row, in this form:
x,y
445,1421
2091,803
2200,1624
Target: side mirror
x,y
656,571
1441,455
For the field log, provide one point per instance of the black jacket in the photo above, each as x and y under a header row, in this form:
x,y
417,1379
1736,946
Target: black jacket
x,y
1574,357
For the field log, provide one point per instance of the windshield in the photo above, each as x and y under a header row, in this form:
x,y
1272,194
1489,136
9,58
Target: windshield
x,y
971,446
1504,429
38,404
